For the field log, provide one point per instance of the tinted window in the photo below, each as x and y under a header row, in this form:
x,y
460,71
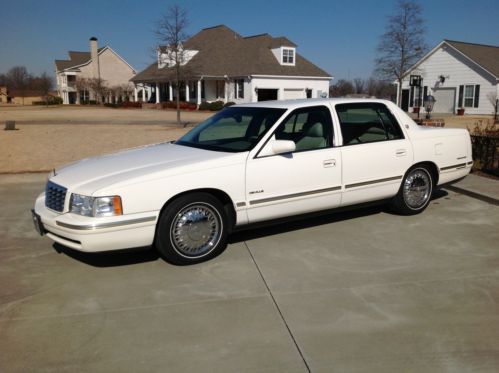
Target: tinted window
x,y
367,122
234,129
310,128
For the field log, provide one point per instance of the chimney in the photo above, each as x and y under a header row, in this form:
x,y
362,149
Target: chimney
x,y
95,57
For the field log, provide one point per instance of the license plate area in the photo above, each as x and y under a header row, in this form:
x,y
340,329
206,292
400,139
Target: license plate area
x,y
38,223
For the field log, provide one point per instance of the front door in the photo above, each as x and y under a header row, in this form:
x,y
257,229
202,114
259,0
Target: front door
x,y
405,100
306,180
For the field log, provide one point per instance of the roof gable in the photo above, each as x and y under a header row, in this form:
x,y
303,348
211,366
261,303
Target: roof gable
x,y
486,56
222,51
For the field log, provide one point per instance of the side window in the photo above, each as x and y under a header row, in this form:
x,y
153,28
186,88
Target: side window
x,y
309,128
367,122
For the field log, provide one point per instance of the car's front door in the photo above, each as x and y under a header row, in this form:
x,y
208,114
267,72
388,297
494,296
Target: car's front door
x,y
375,152
306,180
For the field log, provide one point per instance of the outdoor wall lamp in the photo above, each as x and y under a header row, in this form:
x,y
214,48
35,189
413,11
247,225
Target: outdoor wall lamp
x,y
442,79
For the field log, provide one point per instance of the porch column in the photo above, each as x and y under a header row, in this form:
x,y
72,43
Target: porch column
x,y
199,93
135,94
226,91
170,91
144,93
187,91
157,93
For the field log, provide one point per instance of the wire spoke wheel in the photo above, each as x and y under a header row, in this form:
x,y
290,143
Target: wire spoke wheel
x,y
196,230
417,188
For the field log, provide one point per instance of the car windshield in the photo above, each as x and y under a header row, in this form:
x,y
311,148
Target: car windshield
x,y
234,129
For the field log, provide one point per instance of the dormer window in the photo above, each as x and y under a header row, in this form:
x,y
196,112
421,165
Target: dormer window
x,y
288,56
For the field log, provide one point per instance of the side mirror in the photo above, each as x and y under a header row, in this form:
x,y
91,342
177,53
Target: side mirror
x,y
275,147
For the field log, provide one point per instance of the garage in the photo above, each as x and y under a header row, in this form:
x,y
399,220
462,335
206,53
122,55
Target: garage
x,y
267,94
293,94
445,99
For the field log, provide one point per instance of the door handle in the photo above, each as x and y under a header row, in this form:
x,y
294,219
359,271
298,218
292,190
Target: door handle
x,y
401,152
329,163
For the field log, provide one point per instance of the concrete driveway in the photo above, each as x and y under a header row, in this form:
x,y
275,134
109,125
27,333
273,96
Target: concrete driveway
x,y
364,291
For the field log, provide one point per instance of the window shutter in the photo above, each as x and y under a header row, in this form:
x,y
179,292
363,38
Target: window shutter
x,y
425,92
477,95
420,97
411,97
461,92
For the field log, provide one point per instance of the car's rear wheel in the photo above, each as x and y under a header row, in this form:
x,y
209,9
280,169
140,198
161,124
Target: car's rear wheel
x,y
415,191
192,229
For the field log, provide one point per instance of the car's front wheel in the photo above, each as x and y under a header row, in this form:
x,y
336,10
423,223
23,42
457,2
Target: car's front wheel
x,y
192,229
415,191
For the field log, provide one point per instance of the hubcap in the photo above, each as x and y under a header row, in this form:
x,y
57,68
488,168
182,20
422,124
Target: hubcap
x,y
196,230
417,188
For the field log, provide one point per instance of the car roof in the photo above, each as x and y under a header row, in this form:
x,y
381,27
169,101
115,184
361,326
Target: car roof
x,y
292,104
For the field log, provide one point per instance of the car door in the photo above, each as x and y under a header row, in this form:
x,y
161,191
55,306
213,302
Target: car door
x,y
375,152
305,180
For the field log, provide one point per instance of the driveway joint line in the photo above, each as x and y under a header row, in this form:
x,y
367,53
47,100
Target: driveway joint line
x,y
278,309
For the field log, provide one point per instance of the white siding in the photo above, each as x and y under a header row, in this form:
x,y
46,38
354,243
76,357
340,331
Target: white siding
x,y
458,71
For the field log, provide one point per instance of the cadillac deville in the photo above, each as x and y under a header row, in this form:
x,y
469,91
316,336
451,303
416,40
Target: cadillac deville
x,y
249,163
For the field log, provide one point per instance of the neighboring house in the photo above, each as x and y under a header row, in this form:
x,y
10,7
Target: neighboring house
x,y
459,75
222,65
4,98
100,75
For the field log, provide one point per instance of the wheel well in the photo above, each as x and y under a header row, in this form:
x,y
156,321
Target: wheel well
x,y
218,194
433,169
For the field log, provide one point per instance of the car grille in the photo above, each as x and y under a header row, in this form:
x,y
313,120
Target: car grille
x,y
55,196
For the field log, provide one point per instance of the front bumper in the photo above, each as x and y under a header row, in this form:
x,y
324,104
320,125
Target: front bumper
x,y
96,234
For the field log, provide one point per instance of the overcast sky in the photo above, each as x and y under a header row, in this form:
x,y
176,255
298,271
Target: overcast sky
x,y
338,36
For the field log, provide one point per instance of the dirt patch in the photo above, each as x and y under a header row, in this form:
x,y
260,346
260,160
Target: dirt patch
x,y
48,138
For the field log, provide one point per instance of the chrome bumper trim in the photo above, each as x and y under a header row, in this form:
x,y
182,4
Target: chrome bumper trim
x,y
105,225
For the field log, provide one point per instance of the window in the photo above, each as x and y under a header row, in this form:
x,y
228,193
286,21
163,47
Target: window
x,y
469,95
232,129
364,123
309,128
239,88
288,56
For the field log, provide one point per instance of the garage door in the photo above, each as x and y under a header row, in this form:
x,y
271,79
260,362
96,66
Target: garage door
x,y
293,94
445,100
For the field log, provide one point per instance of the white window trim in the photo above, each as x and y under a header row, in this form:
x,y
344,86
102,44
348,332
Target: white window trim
x,y
472,96
294,56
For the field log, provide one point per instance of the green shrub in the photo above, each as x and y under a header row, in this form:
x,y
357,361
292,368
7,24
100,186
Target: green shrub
x,y
204,106
111,105
230,103
216,106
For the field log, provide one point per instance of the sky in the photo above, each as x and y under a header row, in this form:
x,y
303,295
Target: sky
x,y
338,36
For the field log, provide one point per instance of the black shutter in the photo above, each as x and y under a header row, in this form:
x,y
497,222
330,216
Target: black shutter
x,y
420,97
411,97
477,95
461,92
425,92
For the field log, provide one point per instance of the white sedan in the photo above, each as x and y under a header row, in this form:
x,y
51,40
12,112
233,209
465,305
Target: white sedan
x,y
249,163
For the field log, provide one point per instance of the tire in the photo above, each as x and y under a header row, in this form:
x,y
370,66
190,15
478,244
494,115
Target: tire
x,y
192,229
415,191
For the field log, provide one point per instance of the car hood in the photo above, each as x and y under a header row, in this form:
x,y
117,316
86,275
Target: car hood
x,y
154,161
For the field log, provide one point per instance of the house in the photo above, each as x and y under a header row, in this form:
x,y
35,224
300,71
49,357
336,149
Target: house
x,y
4,97
220,64
100,74
459,75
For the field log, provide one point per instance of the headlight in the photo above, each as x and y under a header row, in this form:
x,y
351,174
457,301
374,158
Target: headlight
x,y
95,206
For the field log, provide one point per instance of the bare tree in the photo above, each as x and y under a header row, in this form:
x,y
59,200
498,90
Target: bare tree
x,y
98,86
19,79
492,97
359,85
171,34
341,88
402,44
44,84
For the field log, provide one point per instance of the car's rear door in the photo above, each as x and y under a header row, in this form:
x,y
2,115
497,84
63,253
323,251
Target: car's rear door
x,y
306,180
375,152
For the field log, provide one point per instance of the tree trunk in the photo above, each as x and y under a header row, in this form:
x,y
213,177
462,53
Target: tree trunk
x,y
399,93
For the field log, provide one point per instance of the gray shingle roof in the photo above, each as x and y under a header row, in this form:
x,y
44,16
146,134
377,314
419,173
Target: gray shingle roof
x,y
222,51
486,56
76,58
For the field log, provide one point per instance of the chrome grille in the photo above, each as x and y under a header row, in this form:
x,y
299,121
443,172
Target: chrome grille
x,y
55,196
